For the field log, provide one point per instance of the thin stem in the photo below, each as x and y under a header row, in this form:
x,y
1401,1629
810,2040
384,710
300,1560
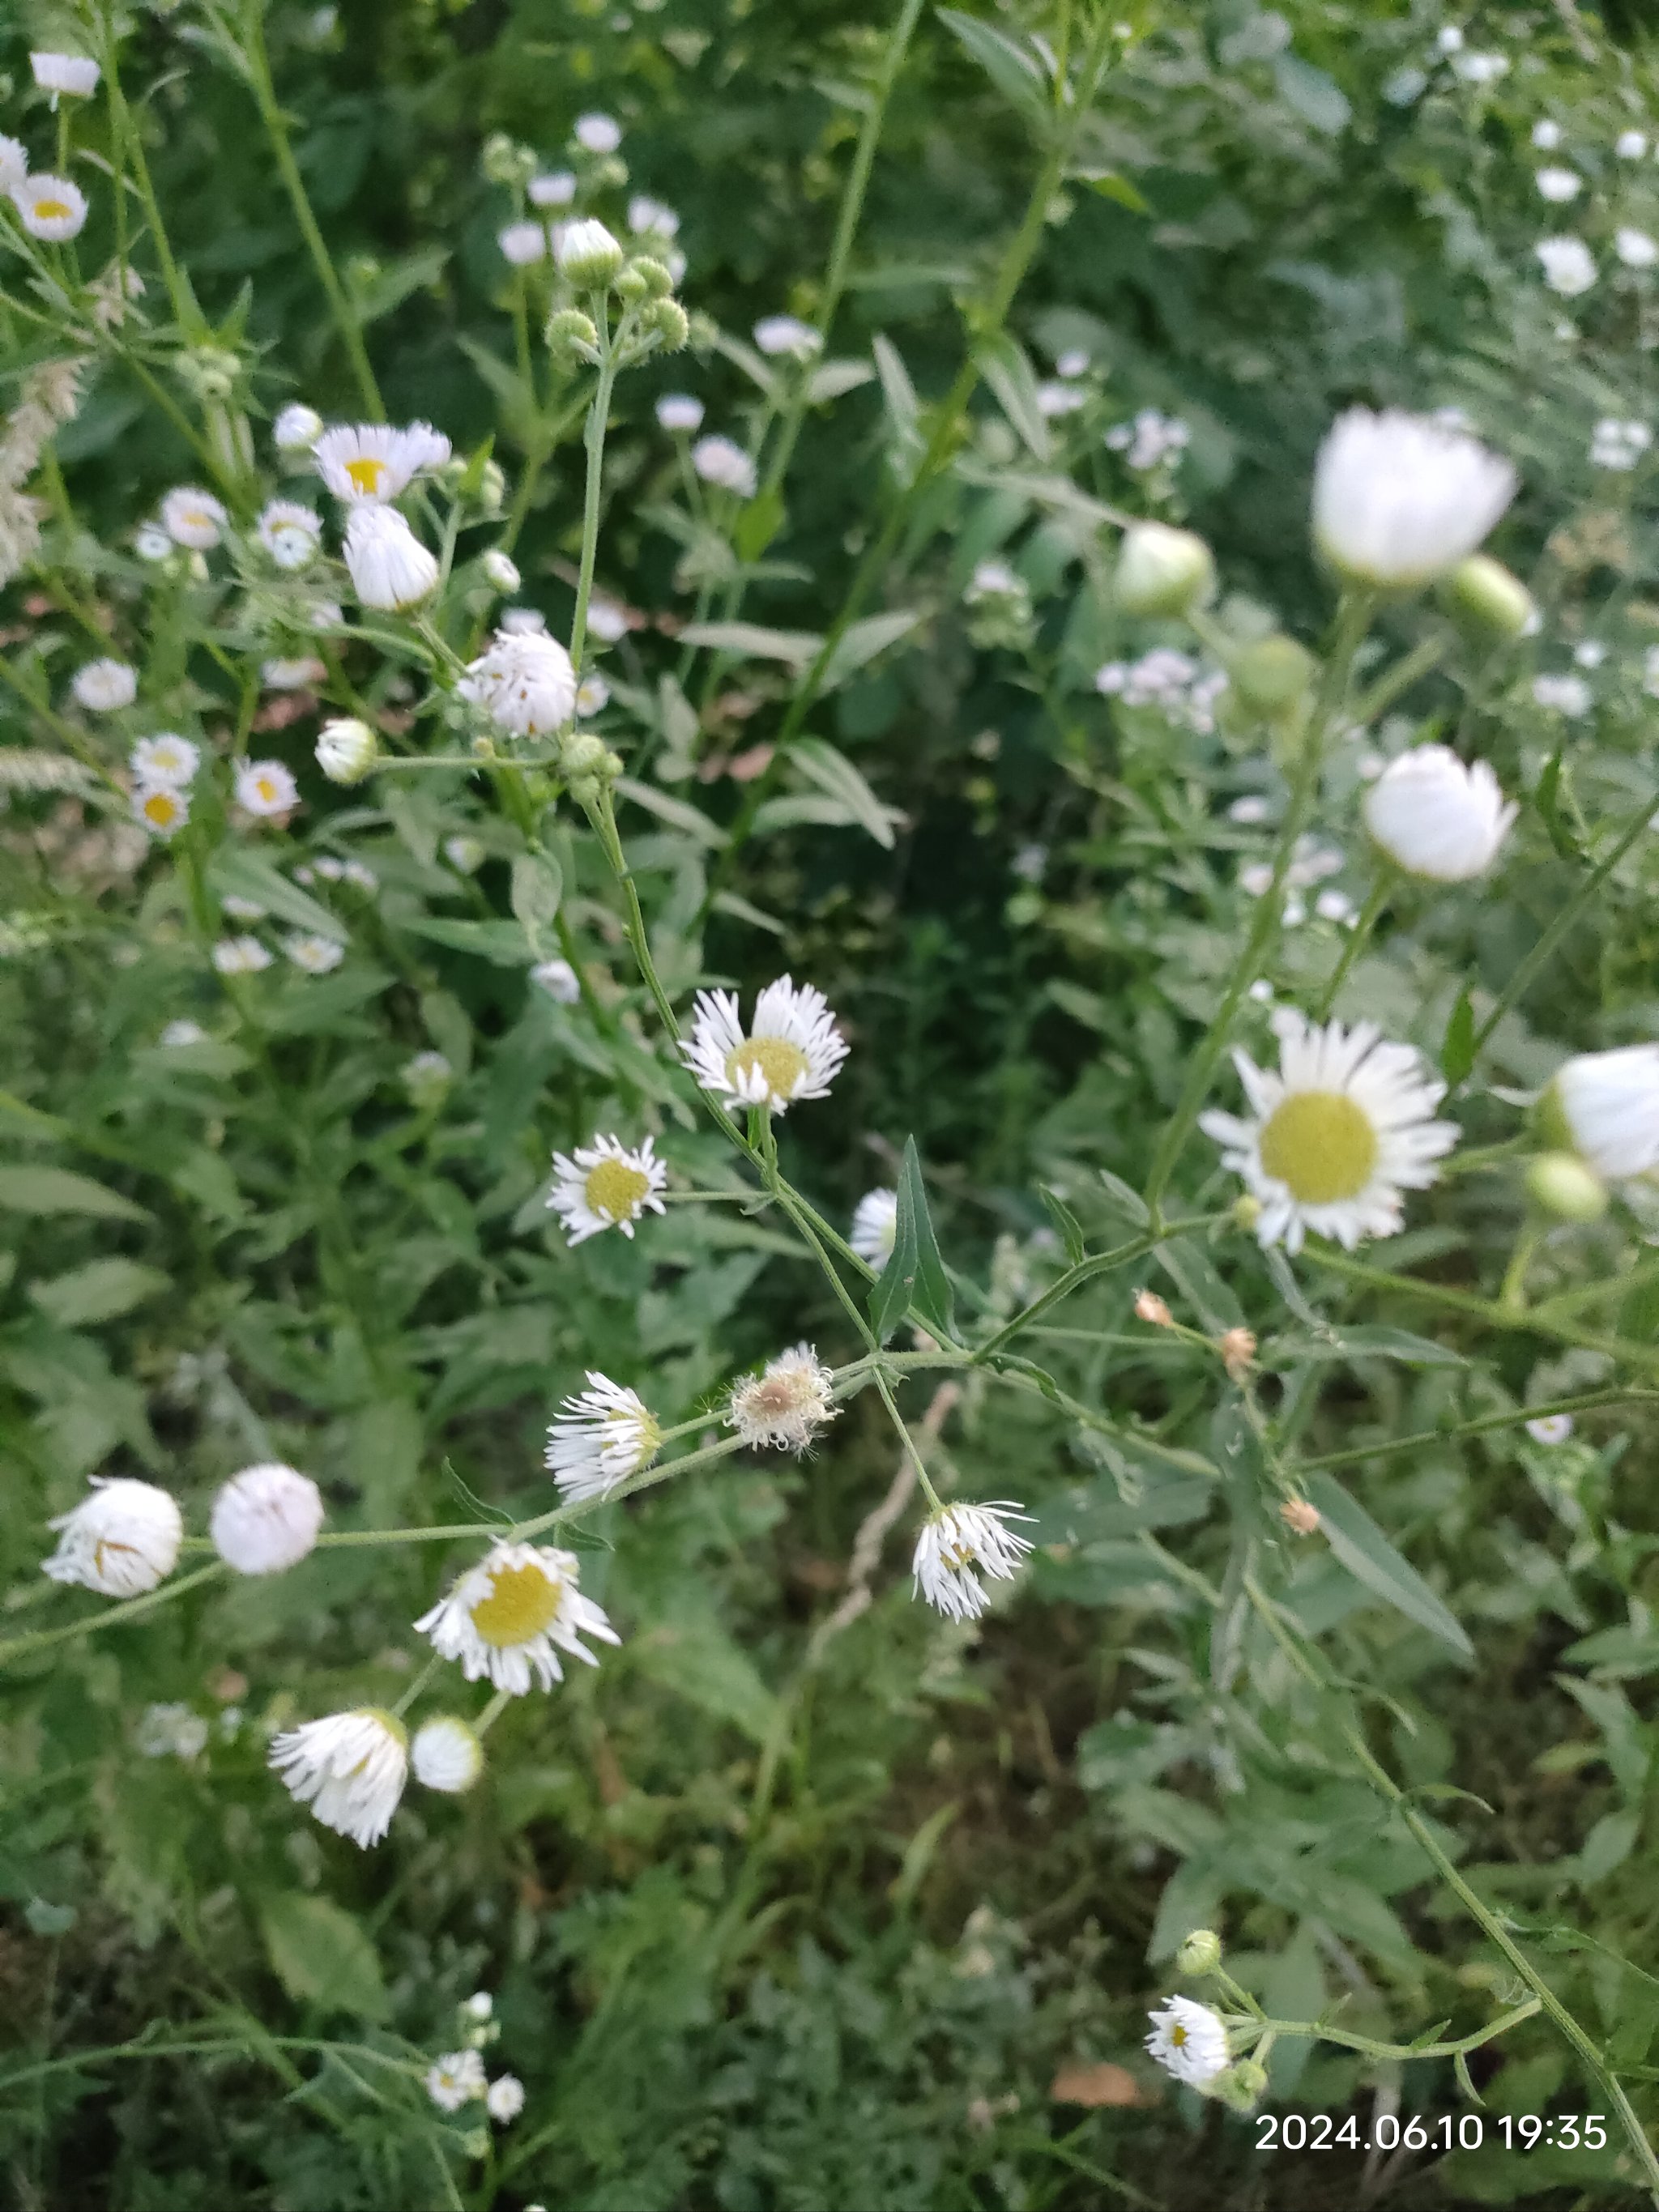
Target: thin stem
x,y
1396,682
1320,2031
1358,938
593,438
884,1391
1100,1263
113,1616
186,312
1590,1401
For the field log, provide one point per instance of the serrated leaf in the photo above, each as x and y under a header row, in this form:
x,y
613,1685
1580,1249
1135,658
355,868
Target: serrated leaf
x,y
97,1292
796,649
60,1190
1011,65
833,773
244,875
1457,1051
1368,1556
322,1956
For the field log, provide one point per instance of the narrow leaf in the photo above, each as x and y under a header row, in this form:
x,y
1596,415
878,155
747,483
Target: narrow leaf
x,y
59,1190
1457,1052
831,771
752,641
1071,1232
931,1297
1011,67
1369,1558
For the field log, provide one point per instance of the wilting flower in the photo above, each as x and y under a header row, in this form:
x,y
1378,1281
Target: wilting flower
x,y
1609,1104
51,208
445,1755
875,1226
957,1540
792,1049
1190,2041
121,1541
786,1404
511,1615
164,758
316,955
720,462
266,1518
104,686
1436,817
1399,499
602,1436
523,682
289,533
346,749
193,517
1343,1127
388,565
455,2079
241,956
678,410
1569,266
266,787
163,808
605,1186
350,1769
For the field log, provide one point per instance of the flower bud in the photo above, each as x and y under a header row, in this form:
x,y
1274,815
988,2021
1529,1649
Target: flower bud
x,y
1301,1518
346,749
426,1079
1161,571
1240,2085
631,287
1483,595
1149,1307
587,255
492,487
672,324
572,335
446,1754
1200,1953
500,570
505,162
1274,675
582,757
1560,1184
1238,1350
658,277
1246,1211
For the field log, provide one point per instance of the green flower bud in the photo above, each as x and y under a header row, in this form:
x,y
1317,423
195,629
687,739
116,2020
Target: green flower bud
x,y
1560,1183
582,757
611,173
1246,1210
347,750
1200,1953
572,335
1482,596
630,286
506,162
658,276
1240,2085
1161,571
588,256
1272,676
671,324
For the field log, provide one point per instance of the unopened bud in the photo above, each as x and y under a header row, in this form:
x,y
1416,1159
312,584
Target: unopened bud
x,y
658,277
1560,1184
570,333
1246,1210
1299,1516
1151,1307
1272,675
1486,597
588,256
500,570
1200,1953
630,286
504,161
1161,571
581,756
492,487
346,749
1240,2085
672,324
1238,1350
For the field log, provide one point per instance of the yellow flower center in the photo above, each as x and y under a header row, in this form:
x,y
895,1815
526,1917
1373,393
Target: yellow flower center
x,y
266,788
1177,2035
780,1063
522,1602
161,808
614,1189
51,210
366,473
1320,1146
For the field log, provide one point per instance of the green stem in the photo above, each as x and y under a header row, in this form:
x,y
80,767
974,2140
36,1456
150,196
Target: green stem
x,y
1320,2032
1358,938
1100,1263
1399,679
593,438
1589,1402
1512,1292
885,1391
112,1616
186,312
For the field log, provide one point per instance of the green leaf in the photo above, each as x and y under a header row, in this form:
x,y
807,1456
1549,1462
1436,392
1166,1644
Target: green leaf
x,y
245,875
1369,1558
538,887
834,774
863,641
915,1275
758,525
797,649
1112,186
1005,368
831,378
382,1457
59,1190
695,1657
99,1292
1011,64
679,813
1369,1340
1071,1231
322,1956
502,943
1548,798
1317,98
1457,1052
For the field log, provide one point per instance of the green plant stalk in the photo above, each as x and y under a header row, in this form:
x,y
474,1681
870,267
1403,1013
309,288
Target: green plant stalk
x,y
1358,938
1591,1401
1099,1263
1320,2032
206,2047
113,1616
1394,682
593,438
884,1391
186,312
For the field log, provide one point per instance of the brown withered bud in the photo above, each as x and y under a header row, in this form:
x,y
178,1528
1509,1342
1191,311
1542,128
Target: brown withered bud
x,y
1299,1516
1150,1307
1238,1350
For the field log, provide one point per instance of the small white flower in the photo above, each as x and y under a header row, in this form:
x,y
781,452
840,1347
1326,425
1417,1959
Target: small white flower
x,y
315,955
786,1404
1251,810
1615,444
266,1518
1563,694
1547,136
51,207
556,188
291,533
875,1226
183,1033
523,682
1262,991
389,566
607,619
1056,398
1481,68
559,980
193,517
678,410
1334,906
1190,2041
466,855
592,697
1073,363
151,543
1591,653
427,1078
241,956
170,1731
1635,248
163,808
511,1615
1149,439
521,622
505,2100
1609,1102
1550,1428
787,334
292,675
243,909
60,73
1399,499
792,1049
121,1541
105,686
1630,145
479,2006
1559,185
297,428
1449,39
523,243
500,570
718,461
1436,817
455,2079
598,133
445,1755
603,1436
1568,264
350,1768
346,749
587,253
266,787
605,1186
365,461
1338,1133
957,1540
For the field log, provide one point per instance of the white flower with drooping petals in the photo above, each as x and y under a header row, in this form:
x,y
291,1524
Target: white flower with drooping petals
x,y
241,956
786,1405
313,953
523,243
291,533
605,1186
1190,2041
51,208
297,428
120,1540
954,1543
389,566
678,410
163,808
556,188
1339,1132
194,517
164,758
598,133
103,687
787,334
523,682
510,1617
1435,817
504,2099
445,1755
456,2079
720,462
791,1050
266,1519
1563,694
603,1436
1569,266
875,1226
266,787
294,675
1550,1428
1399,499
1636,249
1610,1103
350,1768
1559,185
559,980
59,73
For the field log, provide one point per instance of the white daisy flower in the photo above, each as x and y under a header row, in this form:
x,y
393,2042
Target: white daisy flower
x,y
315,954
1547,136
426,449
678,410
292,675
455,2079
500,570
504,2099
370,461
1436,817
60,73
14,164
875,1226
598,133
650,218
388,565
151,543
266,787
105,686
605,1186
725,465
1345,1126
1636,249
350,1768
1550,1428
1608,1103
1190,2041
792,1049
1569,266
1559,185
291,533
786,1405
522,243
593,697
445,1755
587,253
241,956
510,1617
297,428
956,1540
266,1518
603,1436
193,517
51,208
121,1541
559,980
163,808
787,334
523,682
164,758
554,188
1399,499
